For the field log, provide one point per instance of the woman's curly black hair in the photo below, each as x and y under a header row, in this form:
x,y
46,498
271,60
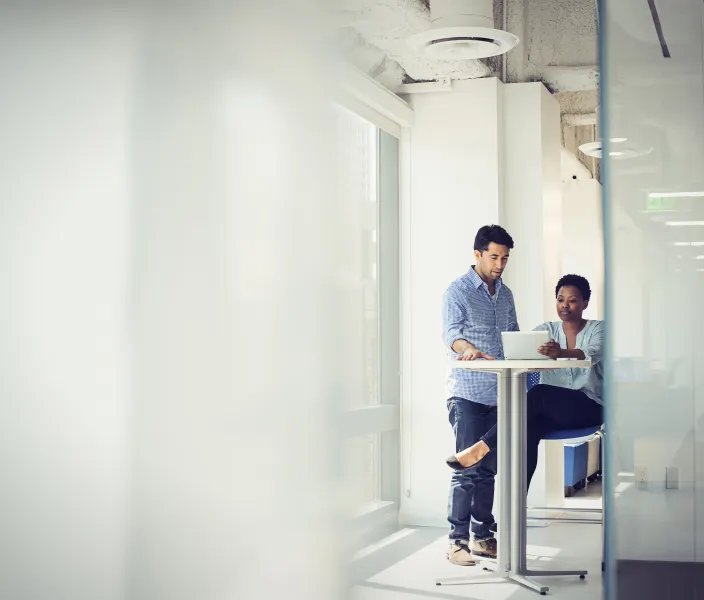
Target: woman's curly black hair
x,y
577,281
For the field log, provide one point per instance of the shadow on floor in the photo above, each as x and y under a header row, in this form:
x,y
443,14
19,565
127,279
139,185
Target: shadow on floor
x,y
367,567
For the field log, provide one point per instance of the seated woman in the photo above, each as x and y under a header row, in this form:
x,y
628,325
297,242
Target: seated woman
x,y
565,398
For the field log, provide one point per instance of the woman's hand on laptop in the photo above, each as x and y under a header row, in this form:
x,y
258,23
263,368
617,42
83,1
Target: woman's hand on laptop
x,y
551,349
472,353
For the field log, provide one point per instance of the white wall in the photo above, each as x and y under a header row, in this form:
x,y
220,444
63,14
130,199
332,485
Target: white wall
x,y
583,235
468,168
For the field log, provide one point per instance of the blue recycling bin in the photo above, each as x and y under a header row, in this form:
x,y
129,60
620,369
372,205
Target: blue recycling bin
x,y
576,457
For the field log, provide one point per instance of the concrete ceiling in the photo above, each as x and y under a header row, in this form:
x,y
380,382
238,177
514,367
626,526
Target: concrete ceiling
x,y
385,25
558,47
558,42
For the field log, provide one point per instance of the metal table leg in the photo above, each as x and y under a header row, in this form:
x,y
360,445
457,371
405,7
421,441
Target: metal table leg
x,y
503,535
519,490
518,486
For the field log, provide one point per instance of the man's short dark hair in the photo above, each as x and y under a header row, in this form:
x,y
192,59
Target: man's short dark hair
x,y
492,233
577,281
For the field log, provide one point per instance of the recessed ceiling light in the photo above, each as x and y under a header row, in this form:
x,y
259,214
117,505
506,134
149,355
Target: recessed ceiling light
x,y
675,194
616,153
618,140
684,223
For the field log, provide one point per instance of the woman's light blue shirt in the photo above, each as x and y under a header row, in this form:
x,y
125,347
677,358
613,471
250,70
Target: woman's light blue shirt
x,y
590,341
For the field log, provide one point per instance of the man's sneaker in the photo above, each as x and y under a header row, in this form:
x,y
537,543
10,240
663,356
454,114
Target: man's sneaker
x,y
486,548
460,554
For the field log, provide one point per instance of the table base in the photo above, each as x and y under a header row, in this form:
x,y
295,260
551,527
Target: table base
x,y
521,578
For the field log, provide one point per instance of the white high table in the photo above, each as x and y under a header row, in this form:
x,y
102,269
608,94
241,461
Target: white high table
x,y
511,420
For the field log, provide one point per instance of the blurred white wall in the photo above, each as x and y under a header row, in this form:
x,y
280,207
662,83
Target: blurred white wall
x,y
172,346
66,211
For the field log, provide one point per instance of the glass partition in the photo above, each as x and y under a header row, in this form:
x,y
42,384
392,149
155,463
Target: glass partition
x,y
653,117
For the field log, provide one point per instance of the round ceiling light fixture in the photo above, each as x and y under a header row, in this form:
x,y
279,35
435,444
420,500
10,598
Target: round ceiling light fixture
x,y
461,30
619,149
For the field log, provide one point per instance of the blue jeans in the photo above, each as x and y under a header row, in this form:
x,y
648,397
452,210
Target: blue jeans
x,y
471,498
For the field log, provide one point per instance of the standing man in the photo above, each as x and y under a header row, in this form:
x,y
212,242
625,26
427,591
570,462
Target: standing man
x,y
477,307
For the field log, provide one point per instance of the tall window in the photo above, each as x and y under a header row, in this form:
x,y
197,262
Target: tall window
x,y
358,194
367,193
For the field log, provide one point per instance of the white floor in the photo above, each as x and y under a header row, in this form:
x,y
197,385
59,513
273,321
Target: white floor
x,y
406,565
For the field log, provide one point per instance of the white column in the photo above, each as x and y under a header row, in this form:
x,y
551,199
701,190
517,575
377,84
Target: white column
x,y
532,200
583,235
454,187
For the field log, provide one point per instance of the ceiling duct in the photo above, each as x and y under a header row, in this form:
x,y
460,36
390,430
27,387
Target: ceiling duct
x,y
462,29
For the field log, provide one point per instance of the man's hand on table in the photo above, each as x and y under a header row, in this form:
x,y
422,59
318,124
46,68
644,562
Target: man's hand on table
x,y
472,353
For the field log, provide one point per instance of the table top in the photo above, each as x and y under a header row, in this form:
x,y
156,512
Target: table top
x,y
530,365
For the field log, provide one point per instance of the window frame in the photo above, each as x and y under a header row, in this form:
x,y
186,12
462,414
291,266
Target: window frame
x,y
392,117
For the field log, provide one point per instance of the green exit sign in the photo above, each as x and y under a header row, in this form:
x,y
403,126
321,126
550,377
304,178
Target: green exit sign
x,y
657,204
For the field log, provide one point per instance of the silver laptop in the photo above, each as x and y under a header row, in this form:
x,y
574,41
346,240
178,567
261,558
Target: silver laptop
x,y
523,345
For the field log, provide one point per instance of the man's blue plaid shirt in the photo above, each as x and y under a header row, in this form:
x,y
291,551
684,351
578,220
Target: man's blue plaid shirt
x,y
470,313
